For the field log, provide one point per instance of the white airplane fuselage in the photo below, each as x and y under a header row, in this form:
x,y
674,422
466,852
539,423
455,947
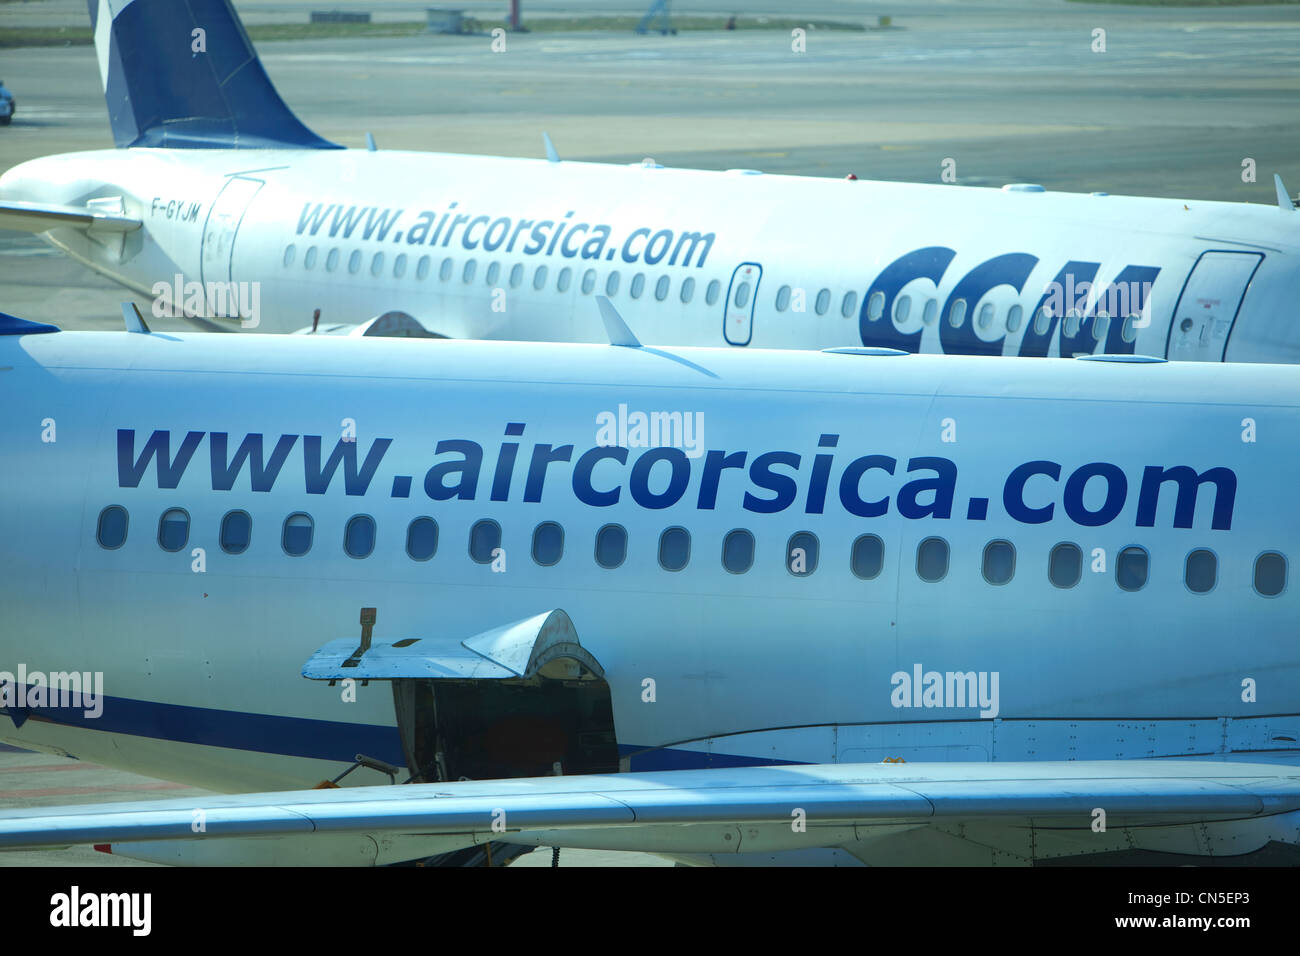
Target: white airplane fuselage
x,y
819,656
497,248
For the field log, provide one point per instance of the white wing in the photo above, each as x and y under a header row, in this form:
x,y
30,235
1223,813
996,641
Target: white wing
x,y
887,813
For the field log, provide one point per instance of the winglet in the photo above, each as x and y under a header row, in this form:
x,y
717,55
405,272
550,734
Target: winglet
x,y
1283,199
370,142
134,320
615,327
551,155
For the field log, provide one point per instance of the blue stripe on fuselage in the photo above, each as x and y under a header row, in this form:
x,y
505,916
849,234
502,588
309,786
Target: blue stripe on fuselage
x,y
307,737
260,733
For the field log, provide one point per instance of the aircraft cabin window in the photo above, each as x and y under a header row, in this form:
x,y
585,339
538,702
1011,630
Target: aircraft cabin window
x,y
331,260
1201,572
1100,326
932,560
611,546
309,260
1131,569
173,529
422,539
484,538
288,255
354,261
1270,574
930,312
1128,331
741,298
1065,565
377,264
661,288
548,543
1014,317
399,266
957,314
868,557
467,274
539,277
637,286
563,280
849,305
422,268
444,270
712,291
999,562
493,274
876,307
674,549
823,301
688,290
801,553
1072,322
110,531
783,298
1041,322
588,281
516,275
986,316
611,283
295,539
359,536
236,532
738,551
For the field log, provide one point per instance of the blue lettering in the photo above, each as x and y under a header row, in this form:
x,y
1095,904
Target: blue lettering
x,y
1013,493
131,469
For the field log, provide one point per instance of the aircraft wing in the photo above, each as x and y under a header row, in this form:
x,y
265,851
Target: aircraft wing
x,y
694,813
96,216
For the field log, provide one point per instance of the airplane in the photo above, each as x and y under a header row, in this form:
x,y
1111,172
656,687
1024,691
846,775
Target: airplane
x,y
219,203
844,606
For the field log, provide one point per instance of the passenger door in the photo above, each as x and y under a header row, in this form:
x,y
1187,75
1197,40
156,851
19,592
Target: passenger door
x,y
219,238
1208,307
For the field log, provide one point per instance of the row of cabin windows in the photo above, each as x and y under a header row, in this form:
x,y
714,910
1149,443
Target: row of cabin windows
x,y
448,271
866,559
986,320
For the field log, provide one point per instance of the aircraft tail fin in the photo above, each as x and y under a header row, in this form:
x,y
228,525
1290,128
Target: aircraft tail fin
x,y
184,75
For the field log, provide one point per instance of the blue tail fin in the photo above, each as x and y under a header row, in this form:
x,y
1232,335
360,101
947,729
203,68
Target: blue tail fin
x,y
182,74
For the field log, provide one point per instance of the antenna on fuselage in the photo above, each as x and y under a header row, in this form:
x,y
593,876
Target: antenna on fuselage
x,y
1284,200
134,320
551,155
615,327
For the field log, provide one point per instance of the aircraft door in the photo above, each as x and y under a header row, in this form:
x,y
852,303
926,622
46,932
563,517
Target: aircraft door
x,y
1208,306
738,309
219,240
